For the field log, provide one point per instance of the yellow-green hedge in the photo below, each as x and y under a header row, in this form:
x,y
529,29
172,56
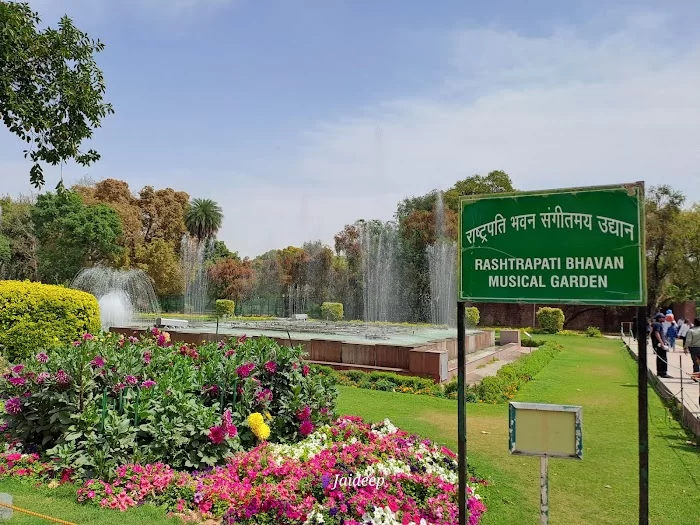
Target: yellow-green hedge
x,y
35,316
225,308
332,311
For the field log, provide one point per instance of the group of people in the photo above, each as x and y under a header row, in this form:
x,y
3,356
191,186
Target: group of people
x,y
664,331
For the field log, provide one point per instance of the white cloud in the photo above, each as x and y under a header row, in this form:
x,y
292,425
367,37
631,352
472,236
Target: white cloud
x,y
566,110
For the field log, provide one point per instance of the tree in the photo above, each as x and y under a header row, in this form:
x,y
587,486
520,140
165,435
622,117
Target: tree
x,y
163,214
203,218
662,209
159,260
17,227
683,257
218,251
72,235
231,278
51,90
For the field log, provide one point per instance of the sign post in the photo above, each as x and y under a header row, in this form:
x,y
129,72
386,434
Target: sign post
x,y
537,429
580,246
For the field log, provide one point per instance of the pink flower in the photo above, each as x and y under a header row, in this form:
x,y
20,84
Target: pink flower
x,y
147,357
228,425
264,395
271,367
133,340
62,378
242,339
17,381
77,343
88,336
149,383
17,369
229,353
131,380
13,405
306,428
244,371
42,357
43,377
304,414
217,435
305,370
98,362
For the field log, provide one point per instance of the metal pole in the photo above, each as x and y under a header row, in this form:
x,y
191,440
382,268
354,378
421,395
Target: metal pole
x,y
680,372
461,417
544,490
642,416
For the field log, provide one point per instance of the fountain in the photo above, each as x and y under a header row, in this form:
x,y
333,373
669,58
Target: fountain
x,y
380,290
442,265
192,255
121,294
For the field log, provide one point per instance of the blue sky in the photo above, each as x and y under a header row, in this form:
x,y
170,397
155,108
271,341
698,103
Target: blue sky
x,y
299,117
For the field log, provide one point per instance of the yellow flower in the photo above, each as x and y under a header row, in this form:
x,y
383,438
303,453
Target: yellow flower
x,y
262,432
268,416
255,420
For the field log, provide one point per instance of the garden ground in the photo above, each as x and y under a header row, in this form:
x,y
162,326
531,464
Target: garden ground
x,y
601,489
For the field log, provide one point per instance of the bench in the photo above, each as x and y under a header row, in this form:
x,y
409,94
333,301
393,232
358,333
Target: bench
x,y
165,322
299,317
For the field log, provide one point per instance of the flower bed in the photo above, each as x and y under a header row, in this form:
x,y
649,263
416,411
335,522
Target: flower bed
x,y
106,401
348,473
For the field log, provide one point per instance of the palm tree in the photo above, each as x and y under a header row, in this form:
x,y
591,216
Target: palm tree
x,y
203,218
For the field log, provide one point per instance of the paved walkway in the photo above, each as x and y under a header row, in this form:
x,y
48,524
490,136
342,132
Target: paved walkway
x,y
490,369
680,386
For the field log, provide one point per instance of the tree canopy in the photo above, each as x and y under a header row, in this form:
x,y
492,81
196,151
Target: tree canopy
x,y
51,90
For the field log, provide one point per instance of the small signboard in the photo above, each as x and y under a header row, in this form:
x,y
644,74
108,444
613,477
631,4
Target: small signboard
x,y
537,429
569,246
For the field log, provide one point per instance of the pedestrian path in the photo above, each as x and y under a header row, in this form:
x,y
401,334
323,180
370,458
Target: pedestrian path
x,y
680,386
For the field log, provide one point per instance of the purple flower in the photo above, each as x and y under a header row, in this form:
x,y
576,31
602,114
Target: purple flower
x,y
326,480
217,434
245,370
306,428
198,497
42,357
271,367
62,378
147,357
43,377
13,405
131,380
4,426
264,395
148,383
17,381
17,369
98,361
133,340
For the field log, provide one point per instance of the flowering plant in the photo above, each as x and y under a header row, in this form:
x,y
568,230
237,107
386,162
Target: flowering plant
x,y
110,400
296,483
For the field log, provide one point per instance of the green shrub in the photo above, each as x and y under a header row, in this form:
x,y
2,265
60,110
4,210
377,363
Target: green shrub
x,y
471,316
593,331
35,316
332,311
385,385
550,319
531,343
225,308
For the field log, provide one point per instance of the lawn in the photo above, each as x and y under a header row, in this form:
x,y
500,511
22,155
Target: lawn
x,y
601,489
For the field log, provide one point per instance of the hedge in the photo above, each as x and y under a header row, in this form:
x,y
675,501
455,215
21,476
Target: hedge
x,y
332,311
35,316
550,319
225,307
471,315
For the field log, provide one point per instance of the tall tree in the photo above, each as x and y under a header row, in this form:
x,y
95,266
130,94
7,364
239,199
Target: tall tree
x,y
203,218
159,260
662,207
73,235
231,278
163,214
218,251
17,227
51,90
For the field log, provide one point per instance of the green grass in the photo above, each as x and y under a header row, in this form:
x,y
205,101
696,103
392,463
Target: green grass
x,y
595,373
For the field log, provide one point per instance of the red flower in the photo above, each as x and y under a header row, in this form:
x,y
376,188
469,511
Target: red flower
x,y
271,367
305,370
306,428
305,414
217,435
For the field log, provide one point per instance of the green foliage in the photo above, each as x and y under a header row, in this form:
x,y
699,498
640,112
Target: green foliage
x,y
112,401
510,378
35,316
531,343
332,311
550,319
225,307
471,315
203,218
51,90
389,382
73,236
17,228
593,331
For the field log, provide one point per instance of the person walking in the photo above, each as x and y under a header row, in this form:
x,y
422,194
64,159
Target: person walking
x,y
683,331
659,345
692,346
671,335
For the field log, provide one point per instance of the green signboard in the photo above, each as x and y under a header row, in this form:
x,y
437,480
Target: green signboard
x,y
573,246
